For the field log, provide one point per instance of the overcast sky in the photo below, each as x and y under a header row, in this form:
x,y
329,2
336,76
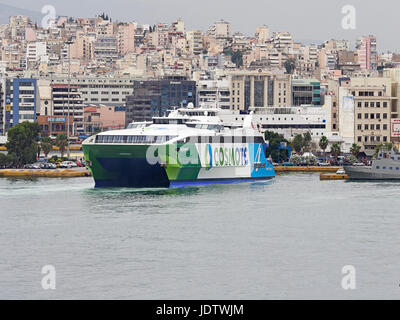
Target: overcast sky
x,y
305,19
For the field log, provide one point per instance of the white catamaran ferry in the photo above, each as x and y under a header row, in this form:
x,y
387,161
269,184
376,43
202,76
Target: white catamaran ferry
x,y
177,151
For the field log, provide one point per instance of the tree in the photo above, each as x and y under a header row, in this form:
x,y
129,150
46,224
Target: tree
x,y
298,143
237,58
323,144
46,145
22,143
62,143
290,65
335,150
355,150
275,141
307,141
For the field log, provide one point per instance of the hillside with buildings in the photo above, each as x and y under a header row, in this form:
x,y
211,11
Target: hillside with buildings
x,y
104,74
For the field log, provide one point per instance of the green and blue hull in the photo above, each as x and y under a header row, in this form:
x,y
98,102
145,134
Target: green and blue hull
x,y
128,166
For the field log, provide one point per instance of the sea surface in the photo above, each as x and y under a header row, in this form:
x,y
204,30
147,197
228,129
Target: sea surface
x,y
285,239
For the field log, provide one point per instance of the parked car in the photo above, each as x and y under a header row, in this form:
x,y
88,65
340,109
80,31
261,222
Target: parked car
x,y
341,171
48,165
323,164
68,164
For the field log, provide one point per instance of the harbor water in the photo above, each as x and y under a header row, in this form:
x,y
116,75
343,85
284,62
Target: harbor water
x,y
284,239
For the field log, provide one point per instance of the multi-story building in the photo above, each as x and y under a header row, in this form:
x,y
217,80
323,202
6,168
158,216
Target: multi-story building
x,y
2,108
106,49
68,103
103,118
367,53
20,101
306,92
220,30
195,41
214,92
257,89
156,97
111,91
365,112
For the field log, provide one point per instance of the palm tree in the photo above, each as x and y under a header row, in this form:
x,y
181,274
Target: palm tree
x,y
46,145
62,142
355,150
323,144
335,150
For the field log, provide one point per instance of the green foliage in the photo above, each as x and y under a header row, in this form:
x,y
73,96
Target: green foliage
x,y
22,142
355,149
290,65
62,143
237,58
46,145
335,150
275,141
323,143
297,143
307,141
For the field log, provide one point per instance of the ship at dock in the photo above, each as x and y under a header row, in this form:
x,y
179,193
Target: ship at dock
x,y
385,167
179,150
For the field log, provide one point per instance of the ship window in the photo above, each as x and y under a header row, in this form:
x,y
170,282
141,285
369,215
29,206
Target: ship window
x,y
384,168
397,169
391,168
377,167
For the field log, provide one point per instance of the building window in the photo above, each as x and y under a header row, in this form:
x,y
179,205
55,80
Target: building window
x,y
359,104
366,104
384,139
366,116
365,127
359,127
385,127
385,116
385,104
359,139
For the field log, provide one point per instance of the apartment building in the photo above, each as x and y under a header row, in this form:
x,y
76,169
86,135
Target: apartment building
x,y
195,41
372,111
68,103
214,92
367,53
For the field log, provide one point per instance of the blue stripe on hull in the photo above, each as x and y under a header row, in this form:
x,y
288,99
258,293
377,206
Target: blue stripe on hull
x,y
183,184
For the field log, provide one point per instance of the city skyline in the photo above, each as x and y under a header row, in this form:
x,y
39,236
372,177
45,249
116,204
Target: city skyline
x,y
199,16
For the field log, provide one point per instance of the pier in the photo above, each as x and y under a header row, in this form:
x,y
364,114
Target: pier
x,y
306,169
41,173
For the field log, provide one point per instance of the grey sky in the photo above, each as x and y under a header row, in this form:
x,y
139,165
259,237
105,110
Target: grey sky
x,y
305,19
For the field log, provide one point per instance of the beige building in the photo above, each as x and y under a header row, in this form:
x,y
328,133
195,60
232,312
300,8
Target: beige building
x,y
372,111
259,89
